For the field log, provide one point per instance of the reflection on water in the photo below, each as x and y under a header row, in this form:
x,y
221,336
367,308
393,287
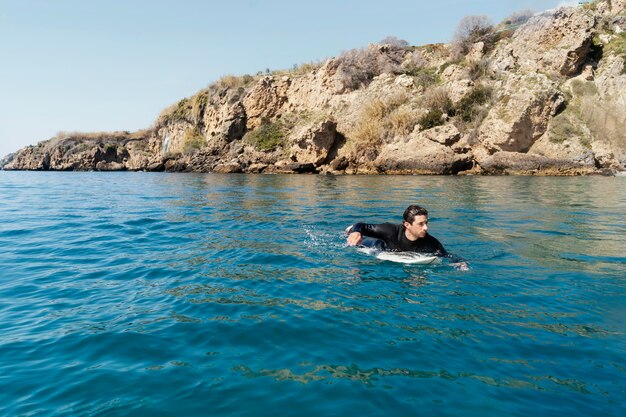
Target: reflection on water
x,y
161,294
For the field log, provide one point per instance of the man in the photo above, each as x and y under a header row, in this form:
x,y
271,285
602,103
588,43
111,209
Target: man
x,y
410,236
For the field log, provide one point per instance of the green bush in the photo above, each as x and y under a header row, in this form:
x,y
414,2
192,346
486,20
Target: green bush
x,y
192,141
584,88
424,77
180,111
617,45
268,136
469,106
433,118
561,129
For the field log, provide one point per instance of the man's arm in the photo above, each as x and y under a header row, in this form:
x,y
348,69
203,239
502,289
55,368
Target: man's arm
x,y
356,232
457,262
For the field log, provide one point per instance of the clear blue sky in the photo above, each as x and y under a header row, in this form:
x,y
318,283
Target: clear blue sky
x,y
87,65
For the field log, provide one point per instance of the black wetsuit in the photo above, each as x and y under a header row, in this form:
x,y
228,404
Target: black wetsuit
x,y
395,239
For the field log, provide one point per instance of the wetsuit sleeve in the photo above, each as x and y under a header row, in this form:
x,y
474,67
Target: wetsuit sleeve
x,y
441,251
384,231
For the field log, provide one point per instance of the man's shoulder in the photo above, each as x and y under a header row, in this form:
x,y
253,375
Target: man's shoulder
x,y
431,238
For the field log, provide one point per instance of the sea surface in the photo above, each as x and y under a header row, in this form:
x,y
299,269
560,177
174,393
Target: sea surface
x,y
153,294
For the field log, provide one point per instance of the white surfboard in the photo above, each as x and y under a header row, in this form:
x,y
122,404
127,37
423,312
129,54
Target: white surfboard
x,y
408,258
402,257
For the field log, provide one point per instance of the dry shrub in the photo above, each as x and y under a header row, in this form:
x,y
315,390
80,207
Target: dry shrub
x,y
358,67
414,64
368,132
438,99
94,136
478,69
394,41
305,68
402,121
374,109
178,112
230,81
198,105
381,120
379,109
396,100
472,29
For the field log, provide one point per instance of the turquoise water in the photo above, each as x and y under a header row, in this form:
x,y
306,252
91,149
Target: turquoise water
x,y
234,295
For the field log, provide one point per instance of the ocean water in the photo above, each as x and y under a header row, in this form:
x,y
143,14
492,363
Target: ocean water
x,y
152,294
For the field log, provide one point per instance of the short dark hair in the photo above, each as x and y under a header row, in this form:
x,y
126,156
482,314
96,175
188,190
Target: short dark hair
x,y
412,211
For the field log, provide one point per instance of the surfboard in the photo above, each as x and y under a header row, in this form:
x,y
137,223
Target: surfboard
x,y
408,258
402,257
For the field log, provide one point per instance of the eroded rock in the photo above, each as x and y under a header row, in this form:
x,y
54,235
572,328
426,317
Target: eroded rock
x,y
313,142
521,114
556,42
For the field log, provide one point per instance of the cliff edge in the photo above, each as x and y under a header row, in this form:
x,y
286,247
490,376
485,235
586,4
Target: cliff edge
x,y
538,95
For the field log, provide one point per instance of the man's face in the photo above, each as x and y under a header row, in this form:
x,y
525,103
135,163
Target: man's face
x,y
418,228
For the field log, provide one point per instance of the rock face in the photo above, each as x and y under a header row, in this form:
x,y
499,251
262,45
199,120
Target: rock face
x,y
265,100
555,42
312,143
428,152
105,152
521,113
546,98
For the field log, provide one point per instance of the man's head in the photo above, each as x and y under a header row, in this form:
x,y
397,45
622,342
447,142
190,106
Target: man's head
x,y
415,222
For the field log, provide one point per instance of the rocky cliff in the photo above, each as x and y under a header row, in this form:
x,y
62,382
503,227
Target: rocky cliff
x,y
544,97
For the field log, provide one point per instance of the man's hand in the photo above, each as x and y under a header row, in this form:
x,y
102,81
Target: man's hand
x,y
461,266
354,238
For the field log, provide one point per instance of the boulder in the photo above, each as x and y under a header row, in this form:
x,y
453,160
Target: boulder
x,y
31,158
174,165
256,168
313,142
529,164
601,105
339,164
404,81
476,52
231,167
604,156
421,155
6,159
456,81
110,166
300,168
446,135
